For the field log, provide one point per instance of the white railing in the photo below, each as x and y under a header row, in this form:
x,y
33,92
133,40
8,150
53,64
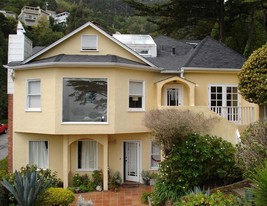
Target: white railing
x,y
238,115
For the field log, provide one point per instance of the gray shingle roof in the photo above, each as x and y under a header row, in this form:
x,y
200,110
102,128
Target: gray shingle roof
x,y
213,54
82,58
208,53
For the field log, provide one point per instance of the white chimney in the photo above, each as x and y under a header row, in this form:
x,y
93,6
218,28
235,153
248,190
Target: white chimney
x,y
19,48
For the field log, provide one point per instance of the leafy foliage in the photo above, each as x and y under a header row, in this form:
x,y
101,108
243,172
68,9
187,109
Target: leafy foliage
x,y
170,126
215,199
26,187
56,197
252,150
253,77
115,181
82,183
204,161
260,190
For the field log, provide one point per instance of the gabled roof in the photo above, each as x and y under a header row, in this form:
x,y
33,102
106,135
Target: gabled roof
x,y
213,54
173,55
88,24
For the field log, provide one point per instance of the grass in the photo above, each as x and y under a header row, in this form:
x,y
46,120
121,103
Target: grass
x,y
3,164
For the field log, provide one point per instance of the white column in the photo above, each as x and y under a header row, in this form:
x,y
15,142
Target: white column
x,y
105,162
66,165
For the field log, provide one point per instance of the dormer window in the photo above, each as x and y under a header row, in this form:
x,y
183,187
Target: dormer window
x,y
89,42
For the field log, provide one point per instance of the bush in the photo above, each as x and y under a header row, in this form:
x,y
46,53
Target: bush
x,y
260,190
205,161
83,183
252,150
144,197
215,199
57,197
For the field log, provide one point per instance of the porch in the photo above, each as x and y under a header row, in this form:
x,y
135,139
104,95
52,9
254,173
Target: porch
x,y
127,196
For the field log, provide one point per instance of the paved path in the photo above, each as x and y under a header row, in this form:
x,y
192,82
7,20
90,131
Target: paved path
x,y
3,146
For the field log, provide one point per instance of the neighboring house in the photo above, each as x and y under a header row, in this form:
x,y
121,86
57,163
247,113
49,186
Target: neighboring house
x,y
78,105
32,15
61,18
9,14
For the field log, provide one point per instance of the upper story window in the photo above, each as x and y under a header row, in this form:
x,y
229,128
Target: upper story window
x,y
89,42
155,155
84,100
136,95
38,154
33,95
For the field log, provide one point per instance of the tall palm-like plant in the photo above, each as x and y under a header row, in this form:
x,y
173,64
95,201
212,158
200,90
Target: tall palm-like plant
x,y
26,187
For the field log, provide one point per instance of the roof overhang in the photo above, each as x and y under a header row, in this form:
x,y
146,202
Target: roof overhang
x,y
82,65
186,69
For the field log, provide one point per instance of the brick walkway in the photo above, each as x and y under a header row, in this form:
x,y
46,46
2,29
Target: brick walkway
x,y
124,197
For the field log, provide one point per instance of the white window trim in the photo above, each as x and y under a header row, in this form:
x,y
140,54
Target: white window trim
x,y
86,170
223,92
28,109
142,109
84,123
150,153
48,152
181,93
89,50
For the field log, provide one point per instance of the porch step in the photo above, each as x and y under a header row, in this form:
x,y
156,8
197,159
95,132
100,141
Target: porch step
x,y
129,184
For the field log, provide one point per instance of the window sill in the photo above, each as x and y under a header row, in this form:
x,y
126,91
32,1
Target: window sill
x,y
136,110
33,110
89,50
86,170
154,169
84,123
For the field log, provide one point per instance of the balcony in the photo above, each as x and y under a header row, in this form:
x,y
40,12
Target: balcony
x,y
236,114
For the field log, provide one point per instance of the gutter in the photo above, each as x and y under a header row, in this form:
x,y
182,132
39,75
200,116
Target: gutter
x,y
180,71
81,64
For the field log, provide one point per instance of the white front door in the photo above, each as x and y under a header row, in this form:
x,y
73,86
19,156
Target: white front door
x,y
132,161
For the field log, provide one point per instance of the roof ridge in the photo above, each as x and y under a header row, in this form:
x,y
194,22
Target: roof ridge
x,y
194,51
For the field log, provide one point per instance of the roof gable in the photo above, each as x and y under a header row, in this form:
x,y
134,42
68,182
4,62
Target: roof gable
x,y
70,44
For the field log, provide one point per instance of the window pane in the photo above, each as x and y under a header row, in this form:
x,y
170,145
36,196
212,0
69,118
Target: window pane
x,y
85,100
34,101
89,42
87,155
135,102
155,155
38,153
136,88
34,87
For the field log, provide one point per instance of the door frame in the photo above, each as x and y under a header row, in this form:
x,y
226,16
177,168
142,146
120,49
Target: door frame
x,y
123,161
180,93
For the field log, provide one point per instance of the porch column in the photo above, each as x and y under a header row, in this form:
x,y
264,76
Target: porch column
x,y
105,163
66,165
192,95
159,95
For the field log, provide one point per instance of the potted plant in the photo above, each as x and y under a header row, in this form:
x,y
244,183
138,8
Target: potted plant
x,y
146,177
115,181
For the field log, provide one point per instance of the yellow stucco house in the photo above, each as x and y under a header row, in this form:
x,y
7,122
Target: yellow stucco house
x,y
78,105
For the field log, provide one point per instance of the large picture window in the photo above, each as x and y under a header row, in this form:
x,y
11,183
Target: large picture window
x,y
87,155
38,154
84,100
33,95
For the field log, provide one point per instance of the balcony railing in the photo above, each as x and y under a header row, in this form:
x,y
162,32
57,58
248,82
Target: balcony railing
x,y
238,115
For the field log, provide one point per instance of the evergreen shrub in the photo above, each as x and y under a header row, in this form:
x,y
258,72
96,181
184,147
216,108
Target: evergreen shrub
x,y
204,161
57,197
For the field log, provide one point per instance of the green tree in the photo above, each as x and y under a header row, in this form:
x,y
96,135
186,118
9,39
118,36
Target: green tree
x,y
174,17
253,77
